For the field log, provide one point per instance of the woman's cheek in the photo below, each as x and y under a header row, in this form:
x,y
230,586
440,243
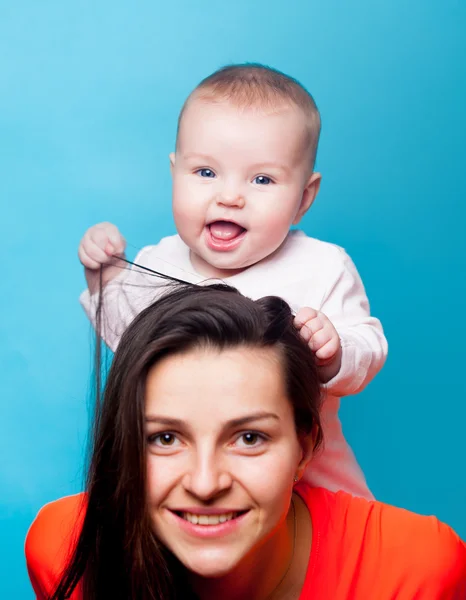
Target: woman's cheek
x,y
162,473
280,469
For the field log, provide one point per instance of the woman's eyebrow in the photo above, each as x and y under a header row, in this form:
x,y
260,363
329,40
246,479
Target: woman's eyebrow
x,y
171,422
240,421
259,416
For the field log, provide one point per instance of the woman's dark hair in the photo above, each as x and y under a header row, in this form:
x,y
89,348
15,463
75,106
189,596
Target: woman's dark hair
x,y
117,555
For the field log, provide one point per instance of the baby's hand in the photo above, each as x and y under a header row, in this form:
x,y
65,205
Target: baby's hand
x,y
98,247
323,339
99,244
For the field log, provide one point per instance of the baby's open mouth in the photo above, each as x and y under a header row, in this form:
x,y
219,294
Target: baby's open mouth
x,y
225,231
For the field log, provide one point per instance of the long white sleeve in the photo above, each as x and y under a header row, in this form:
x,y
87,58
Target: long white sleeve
x,y
131,292
364,347
119,303
123,299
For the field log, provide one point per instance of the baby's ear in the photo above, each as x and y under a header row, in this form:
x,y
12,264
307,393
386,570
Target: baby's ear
x,y
172,157
309,195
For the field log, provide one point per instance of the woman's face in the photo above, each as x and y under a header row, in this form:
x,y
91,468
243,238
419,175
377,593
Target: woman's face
x,y
222,454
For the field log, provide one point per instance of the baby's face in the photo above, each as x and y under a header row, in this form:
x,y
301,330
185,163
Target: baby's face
x,y
241,178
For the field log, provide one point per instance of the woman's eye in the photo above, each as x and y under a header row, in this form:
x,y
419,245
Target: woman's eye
x,y
163,440
208,173
250,439
262,180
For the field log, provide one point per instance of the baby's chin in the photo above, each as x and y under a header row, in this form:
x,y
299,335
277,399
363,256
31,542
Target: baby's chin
x,y
224,269
220,266
247,254
235,261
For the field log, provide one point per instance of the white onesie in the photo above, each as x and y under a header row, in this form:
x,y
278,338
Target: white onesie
x,y
304,272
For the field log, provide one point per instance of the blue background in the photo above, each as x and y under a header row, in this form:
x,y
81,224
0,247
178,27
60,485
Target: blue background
x,y
89,96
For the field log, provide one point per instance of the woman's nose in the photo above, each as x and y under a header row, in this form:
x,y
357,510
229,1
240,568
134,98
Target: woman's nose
x,y
206,478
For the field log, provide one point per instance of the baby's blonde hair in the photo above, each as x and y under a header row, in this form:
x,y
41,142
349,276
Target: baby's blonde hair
x,y
254,85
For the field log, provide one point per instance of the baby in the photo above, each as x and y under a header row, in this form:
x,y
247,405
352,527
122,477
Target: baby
x,y
243,174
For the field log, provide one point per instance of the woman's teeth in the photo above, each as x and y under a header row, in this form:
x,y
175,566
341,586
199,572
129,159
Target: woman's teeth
x,y
208,519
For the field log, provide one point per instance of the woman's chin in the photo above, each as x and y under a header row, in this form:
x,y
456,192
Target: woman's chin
x,y
209,565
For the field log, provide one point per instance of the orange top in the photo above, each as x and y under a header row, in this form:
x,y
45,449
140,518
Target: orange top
x,y
361,550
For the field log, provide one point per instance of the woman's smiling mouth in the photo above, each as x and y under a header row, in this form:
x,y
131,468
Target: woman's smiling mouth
x,y
208,523
197,519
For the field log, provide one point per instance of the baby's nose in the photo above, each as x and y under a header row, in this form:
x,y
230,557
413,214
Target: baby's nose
x,y
231,199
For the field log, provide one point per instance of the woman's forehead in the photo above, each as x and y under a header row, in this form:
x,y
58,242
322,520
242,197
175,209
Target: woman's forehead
x,y
217,383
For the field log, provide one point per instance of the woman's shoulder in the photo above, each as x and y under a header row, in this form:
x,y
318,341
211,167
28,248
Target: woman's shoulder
x,y
49,541
56,520
392,547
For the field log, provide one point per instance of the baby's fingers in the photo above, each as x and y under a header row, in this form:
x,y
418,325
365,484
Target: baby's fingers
x,y
328,350
91,260
304,315
91,253
118,246
99,238
319,339
305,333
116,242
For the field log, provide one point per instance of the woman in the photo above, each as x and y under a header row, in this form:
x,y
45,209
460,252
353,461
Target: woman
x,y
210,415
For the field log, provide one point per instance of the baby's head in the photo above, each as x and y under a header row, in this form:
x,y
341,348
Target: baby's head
x,y
243,166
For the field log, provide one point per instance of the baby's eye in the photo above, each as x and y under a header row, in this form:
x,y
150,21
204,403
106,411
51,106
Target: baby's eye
x,y
262,180
250,439
163,440
208,173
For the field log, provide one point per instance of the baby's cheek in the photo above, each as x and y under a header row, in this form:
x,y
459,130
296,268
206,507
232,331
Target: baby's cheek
x,y
277,216
274,229
190,215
